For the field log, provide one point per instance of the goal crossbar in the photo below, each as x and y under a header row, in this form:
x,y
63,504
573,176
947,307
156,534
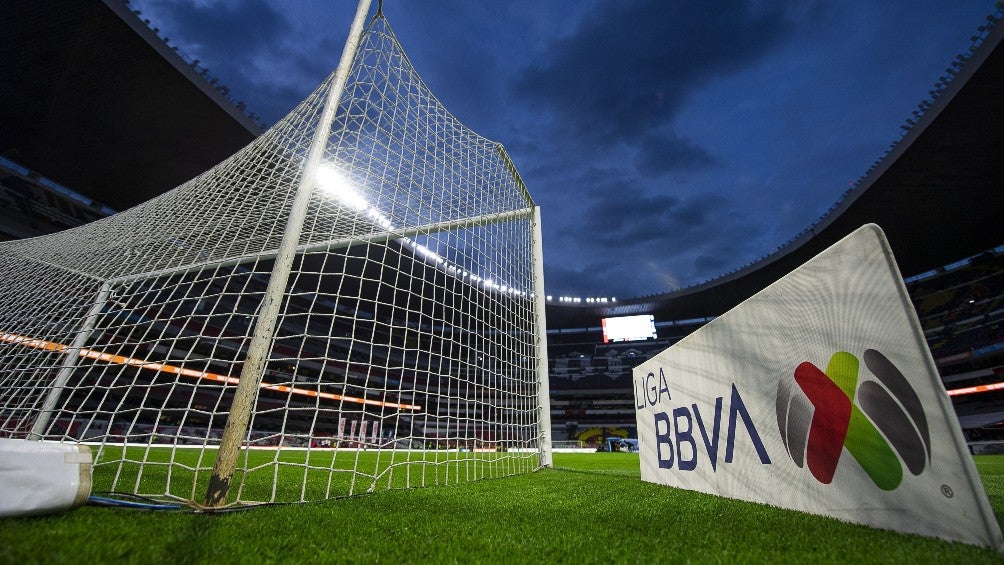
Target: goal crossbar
x,y
376,237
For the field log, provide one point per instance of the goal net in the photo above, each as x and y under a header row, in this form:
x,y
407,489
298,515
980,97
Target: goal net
x,y
406,347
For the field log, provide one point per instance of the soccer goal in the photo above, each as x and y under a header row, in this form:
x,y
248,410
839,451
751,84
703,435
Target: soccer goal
x,y
352,302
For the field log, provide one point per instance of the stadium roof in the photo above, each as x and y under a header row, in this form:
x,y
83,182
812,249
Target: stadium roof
x,y
104,103
93,99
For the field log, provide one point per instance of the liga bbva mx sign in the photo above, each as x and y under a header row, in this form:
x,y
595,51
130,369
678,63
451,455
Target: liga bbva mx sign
x,y
817,394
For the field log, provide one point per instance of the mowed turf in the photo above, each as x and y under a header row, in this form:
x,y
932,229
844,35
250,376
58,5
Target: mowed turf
x,y
591,508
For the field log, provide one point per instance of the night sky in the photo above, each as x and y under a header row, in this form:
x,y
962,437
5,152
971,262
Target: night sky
x,y
667,142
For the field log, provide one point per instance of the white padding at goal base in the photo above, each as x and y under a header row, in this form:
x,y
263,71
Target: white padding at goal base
x,y
39,478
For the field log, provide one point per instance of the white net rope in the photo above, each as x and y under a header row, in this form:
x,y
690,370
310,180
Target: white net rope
x,y
405,353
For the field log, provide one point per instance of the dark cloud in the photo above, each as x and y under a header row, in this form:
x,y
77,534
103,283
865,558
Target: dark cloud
x,y
252,47
597,279
658,240
631,219
660,154
630,66
657,235
628,209
713,262
228,30
668,260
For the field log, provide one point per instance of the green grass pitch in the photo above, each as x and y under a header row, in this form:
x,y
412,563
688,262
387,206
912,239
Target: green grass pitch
x,y
291,475
591,508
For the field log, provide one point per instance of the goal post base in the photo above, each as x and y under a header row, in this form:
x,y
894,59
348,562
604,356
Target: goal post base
x,y
42,478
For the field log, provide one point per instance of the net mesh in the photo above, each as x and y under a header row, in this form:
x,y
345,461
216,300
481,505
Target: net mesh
x,y
406,349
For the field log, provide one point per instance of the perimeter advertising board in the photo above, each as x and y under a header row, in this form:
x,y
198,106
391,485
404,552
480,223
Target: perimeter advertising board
x,y
817,394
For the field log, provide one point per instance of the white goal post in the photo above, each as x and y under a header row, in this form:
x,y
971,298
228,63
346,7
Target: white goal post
x,y
352,302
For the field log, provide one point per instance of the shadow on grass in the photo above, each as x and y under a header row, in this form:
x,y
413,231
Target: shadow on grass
x,y
623,473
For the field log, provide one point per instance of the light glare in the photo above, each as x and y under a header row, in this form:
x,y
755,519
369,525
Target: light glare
x,y
331,181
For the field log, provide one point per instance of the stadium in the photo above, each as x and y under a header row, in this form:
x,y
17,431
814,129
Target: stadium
x,y
445,380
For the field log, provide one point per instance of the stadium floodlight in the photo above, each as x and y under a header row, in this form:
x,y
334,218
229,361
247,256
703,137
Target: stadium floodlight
x,y
331,181
361,286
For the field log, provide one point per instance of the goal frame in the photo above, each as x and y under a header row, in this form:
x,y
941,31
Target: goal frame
x,y
72,340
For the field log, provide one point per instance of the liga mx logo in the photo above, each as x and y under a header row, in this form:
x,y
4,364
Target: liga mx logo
x,y
880,423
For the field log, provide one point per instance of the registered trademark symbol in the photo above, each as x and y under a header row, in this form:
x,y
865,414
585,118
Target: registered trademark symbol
x,y
947,491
